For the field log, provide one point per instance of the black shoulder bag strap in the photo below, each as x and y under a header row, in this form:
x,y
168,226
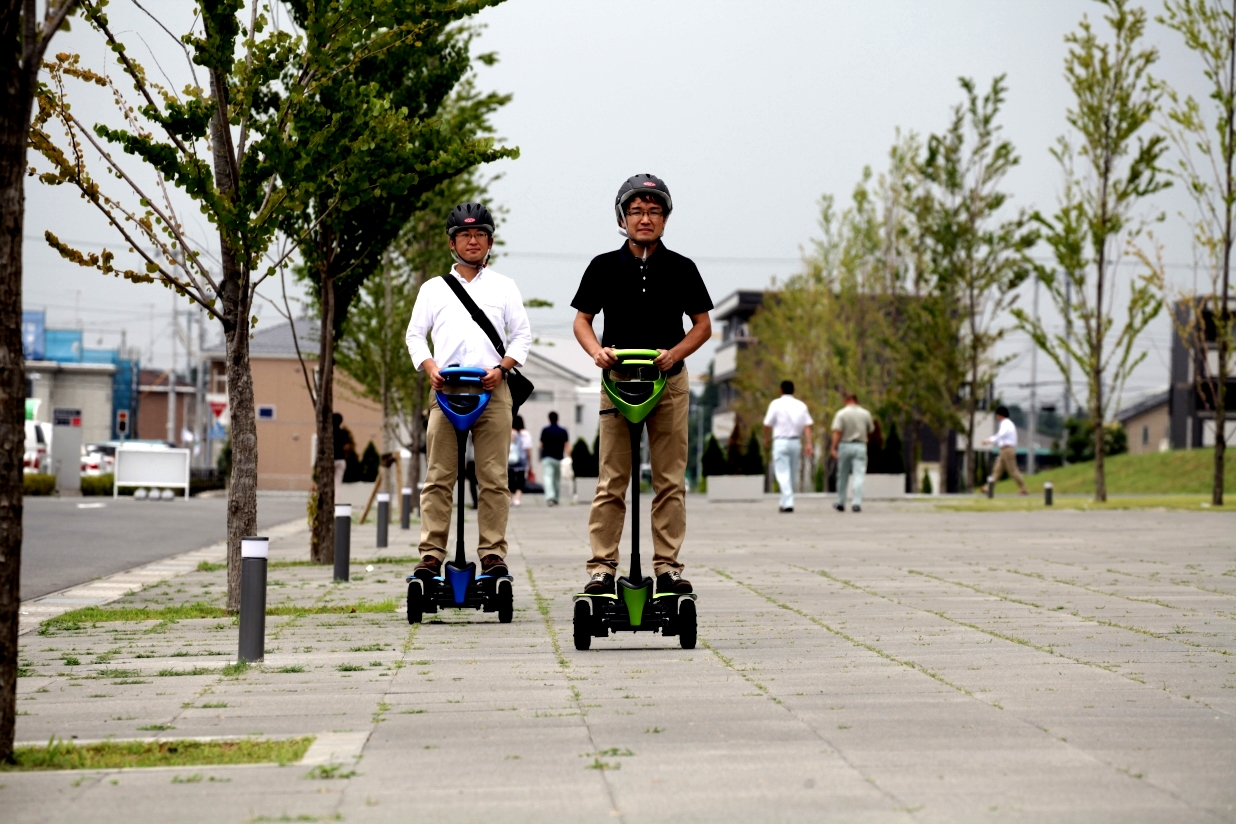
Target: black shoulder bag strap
x,y
520,386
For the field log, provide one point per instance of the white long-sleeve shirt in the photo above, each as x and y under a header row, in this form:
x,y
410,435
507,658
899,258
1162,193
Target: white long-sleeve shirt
x,y
1006,435
457,339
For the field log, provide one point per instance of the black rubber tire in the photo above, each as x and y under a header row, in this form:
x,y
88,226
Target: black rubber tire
x,y
686,623
506,602
583,625
414,602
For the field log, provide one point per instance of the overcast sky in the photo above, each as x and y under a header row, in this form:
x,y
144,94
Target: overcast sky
x,y
750,112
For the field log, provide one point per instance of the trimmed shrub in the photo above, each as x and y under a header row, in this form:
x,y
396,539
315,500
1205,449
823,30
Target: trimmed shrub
x,y
585,463
713,459
33,483
753,458
97,484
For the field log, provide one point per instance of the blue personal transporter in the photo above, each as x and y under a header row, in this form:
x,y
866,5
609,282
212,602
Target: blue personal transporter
x,y
462,400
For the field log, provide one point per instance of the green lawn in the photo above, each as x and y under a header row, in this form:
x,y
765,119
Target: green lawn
x,y
1179,472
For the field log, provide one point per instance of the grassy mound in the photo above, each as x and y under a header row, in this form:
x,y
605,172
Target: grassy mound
x,y
1179,472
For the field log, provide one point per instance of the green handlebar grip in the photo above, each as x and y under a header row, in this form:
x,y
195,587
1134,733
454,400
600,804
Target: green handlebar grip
x,y
620,354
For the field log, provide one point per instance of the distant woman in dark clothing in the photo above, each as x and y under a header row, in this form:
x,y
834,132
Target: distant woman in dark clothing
x,y
342,440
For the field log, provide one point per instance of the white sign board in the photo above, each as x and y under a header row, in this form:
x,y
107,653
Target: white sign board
x,y
158,468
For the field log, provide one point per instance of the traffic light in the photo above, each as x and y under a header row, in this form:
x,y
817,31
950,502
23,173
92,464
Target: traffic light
x,y
122,423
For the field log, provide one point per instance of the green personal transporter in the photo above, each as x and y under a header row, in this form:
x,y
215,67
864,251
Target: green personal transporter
x,y
635,608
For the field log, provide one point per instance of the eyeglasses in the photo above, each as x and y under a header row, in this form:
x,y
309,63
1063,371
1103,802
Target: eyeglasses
x,y
471,234
639,213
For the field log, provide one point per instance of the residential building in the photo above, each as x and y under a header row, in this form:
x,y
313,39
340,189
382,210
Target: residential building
x,y
1148,423
1194,363
729,318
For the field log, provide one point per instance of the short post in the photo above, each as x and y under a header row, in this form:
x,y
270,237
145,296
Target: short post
x,y
343,540
991,487
405,508
1047,492
384,517
253,555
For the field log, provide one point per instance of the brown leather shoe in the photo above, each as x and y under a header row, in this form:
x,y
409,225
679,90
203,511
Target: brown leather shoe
x,y
493,565
428,569
601,583
673,582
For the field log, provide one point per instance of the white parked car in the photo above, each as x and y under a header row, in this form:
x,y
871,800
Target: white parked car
x,y
37,457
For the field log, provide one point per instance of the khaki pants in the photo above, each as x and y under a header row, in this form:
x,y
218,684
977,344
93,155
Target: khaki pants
x,y
491,439
667,438
1007,459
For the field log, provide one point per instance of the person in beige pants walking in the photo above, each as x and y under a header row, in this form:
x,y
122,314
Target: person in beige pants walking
x,y
1005,440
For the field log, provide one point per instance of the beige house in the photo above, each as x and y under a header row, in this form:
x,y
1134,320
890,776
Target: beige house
x,y
1148,423
285,421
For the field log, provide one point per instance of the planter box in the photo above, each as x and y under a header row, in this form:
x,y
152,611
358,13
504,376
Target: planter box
x,y
585,491
735,487
881,487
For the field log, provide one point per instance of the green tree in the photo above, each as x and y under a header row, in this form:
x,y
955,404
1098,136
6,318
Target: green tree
x,y
27,38
1110,164
413,120
1206,143
977,259
218,142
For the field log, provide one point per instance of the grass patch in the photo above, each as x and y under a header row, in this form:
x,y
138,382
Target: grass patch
x,y
76,618
1017,503
156,727
330,771
292,668
210,566
350,667
110,755
1178,472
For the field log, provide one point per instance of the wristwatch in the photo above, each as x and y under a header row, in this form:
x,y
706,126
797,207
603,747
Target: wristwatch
x,y
505,371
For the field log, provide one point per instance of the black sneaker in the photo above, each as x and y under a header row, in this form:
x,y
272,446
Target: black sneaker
x,y
785,509
673,582
839,507
857,508
493,565
429,568
601,583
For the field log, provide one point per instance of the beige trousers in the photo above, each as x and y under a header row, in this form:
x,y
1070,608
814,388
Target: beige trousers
x,y
491,438
1007,459
667,439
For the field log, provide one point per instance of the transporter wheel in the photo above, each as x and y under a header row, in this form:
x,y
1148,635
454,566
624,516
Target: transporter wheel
x,y
583,625
686,623
414,602
506,602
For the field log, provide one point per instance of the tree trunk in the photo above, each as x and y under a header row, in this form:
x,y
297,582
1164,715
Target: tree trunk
x,y
911,458
1096,392
322,538
13,130
242,494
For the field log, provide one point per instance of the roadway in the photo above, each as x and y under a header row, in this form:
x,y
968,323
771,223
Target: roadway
x,y
69,541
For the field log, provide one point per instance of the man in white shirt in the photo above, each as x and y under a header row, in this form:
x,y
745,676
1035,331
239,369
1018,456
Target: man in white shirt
x,y
1005,440
789,422
459,341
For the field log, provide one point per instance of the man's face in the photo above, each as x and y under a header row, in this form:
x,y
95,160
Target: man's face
x,y
472,245
645,220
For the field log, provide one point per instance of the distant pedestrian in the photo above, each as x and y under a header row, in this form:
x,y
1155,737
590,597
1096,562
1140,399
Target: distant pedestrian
x,y
517,460
852,426
341,438
1004,440
553,442
789,422
470,468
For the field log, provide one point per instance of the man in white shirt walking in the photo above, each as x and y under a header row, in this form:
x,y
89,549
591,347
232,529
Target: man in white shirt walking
x,y
789,422
1005,440
459,341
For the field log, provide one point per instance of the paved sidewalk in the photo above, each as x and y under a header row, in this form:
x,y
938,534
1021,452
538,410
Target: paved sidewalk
x,y
899,665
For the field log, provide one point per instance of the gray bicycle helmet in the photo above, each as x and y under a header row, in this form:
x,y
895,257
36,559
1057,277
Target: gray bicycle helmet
x,y
642,184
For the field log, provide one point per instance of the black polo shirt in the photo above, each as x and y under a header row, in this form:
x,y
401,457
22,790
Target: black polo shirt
x,y
643,301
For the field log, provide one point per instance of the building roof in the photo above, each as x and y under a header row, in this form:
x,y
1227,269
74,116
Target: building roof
x,y
741,302
276,341
567,355
1146,404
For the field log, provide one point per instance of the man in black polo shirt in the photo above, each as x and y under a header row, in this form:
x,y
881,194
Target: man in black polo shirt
x,y
644,290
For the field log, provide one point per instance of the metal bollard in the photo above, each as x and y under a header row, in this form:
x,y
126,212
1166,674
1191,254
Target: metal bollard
x,y
1047,492
384,517
343,540
991,487
253,554
405,505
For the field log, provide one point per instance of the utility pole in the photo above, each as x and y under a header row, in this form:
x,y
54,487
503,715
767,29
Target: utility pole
x,y
1032,451
171,382
1068,368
